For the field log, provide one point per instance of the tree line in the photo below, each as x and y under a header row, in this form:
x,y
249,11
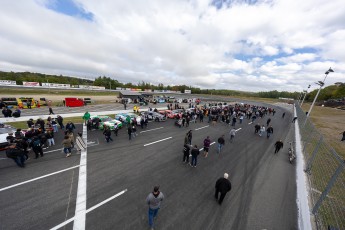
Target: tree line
x,y
336,91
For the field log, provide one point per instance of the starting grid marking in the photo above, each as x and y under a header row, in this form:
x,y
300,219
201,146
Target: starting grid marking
x,y
202,127
203,148
158,141
151,130
38,178
89,210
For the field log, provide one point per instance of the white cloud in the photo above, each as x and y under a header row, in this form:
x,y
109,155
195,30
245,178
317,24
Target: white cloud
x,y
246,47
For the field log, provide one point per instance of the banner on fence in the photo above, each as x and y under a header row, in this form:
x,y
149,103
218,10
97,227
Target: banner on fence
x,y
98,87
7,82
187,91
53,85
31,84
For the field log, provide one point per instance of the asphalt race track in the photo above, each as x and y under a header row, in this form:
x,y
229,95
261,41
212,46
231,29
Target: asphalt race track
x,y
263,194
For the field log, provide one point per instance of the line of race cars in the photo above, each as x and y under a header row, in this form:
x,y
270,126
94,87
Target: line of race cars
x,y
100,122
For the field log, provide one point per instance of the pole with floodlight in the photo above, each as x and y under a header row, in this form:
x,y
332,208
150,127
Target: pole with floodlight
x,y
320,83
306,92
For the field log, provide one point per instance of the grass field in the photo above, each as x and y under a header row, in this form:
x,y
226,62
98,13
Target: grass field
x,y
331,123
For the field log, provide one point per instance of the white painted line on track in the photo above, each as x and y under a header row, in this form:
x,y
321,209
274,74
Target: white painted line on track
x,y
250,123
37,178
203,148
151,130
202,127
80,209
3,158
238,129
106,201
158,141
89,210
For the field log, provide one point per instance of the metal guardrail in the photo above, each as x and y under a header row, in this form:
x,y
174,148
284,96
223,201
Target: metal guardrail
x,y
326,176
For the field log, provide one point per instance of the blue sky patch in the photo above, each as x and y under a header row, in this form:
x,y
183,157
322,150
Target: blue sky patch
x,y
227,3
70,8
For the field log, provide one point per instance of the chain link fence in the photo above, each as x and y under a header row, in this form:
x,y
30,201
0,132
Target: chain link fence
x,y
326,176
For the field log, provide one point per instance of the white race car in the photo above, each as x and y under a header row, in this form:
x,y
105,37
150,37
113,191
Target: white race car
x,y
4,131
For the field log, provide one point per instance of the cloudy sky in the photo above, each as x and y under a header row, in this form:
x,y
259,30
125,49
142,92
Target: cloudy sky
x,y
251,45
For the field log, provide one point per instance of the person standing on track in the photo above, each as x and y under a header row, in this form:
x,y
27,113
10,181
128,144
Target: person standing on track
x,y
107,134
221,142
37,147
67,146
207,143
154,200
278,145
232,134
195,152
223,186
186,150
283,115
257,128
129,130
262,130
86,117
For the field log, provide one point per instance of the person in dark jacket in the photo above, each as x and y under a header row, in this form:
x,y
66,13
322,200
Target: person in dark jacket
x,y
269,131
279,144
207,143
107,134
223,186
16,154
257,128
221,143
60,121
37,147
70,126
195,152
186,150
30,123
129,132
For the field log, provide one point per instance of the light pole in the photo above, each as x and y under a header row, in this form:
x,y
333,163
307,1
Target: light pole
x,y
304,96
320,83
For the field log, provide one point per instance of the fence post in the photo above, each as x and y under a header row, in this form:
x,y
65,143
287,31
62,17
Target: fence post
x,y
328,187
311,159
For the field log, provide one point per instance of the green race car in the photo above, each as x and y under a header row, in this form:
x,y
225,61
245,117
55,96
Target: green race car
x,y
107,121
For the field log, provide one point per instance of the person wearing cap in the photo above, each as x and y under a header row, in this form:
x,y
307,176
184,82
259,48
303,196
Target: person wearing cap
x,y
154,200
223,186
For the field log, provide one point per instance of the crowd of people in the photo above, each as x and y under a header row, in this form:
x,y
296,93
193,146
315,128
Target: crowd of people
x,y
39,136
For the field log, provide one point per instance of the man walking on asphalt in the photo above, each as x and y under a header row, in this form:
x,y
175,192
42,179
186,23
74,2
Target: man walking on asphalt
x,y
279,144
154,200
223,186
269,131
